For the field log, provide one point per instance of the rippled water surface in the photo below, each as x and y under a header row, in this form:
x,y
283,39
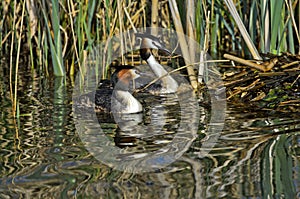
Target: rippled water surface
x,y
52,152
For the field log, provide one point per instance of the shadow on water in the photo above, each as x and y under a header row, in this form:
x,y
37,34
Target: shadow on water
x,y
42,155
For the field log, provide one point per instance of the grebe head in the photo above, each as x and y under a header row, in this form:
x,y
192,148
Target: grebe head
x,y
169,84
150,42
122,100
123,75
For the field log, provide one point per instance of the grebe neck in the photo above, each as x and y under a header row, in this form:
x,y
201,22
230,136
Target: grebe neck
x,y
124,102
169,84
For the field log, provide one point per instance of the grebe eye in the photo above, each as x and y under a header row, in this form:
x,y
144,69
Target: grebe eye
x,y
137,72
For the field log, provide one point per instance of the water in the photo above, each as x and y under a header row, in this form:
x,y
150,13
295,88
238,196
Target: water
x,y
43,155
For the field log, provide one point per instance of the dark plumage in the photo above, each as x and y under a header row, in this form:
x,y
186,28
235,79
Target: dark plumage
x,y
112,95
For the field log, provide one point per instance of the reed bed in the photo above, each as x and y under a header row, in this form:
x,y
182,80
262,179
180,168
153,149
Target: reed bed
x,y
57,35
274,87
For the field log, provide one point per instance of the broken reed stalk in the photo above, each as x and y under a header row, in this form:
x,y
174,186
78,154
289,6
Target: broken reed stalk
x,y
248,63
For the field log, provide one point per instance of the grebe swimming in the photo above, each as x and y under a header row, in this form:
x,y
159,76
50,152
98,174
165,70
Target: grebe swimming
x,y
169,84
114,95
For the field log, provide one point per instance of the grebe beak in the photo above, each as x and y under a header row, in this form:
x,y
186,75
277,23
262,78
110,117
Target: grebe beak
x,y
165,50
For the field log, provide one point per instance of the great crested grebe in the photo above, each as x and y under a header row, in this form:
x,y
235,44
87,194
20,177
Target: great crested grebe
x,y
169,85
114,96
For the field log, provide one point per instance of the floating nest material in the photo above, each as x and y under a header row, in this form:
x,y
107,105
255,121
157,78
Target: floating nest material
x,y
270,85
